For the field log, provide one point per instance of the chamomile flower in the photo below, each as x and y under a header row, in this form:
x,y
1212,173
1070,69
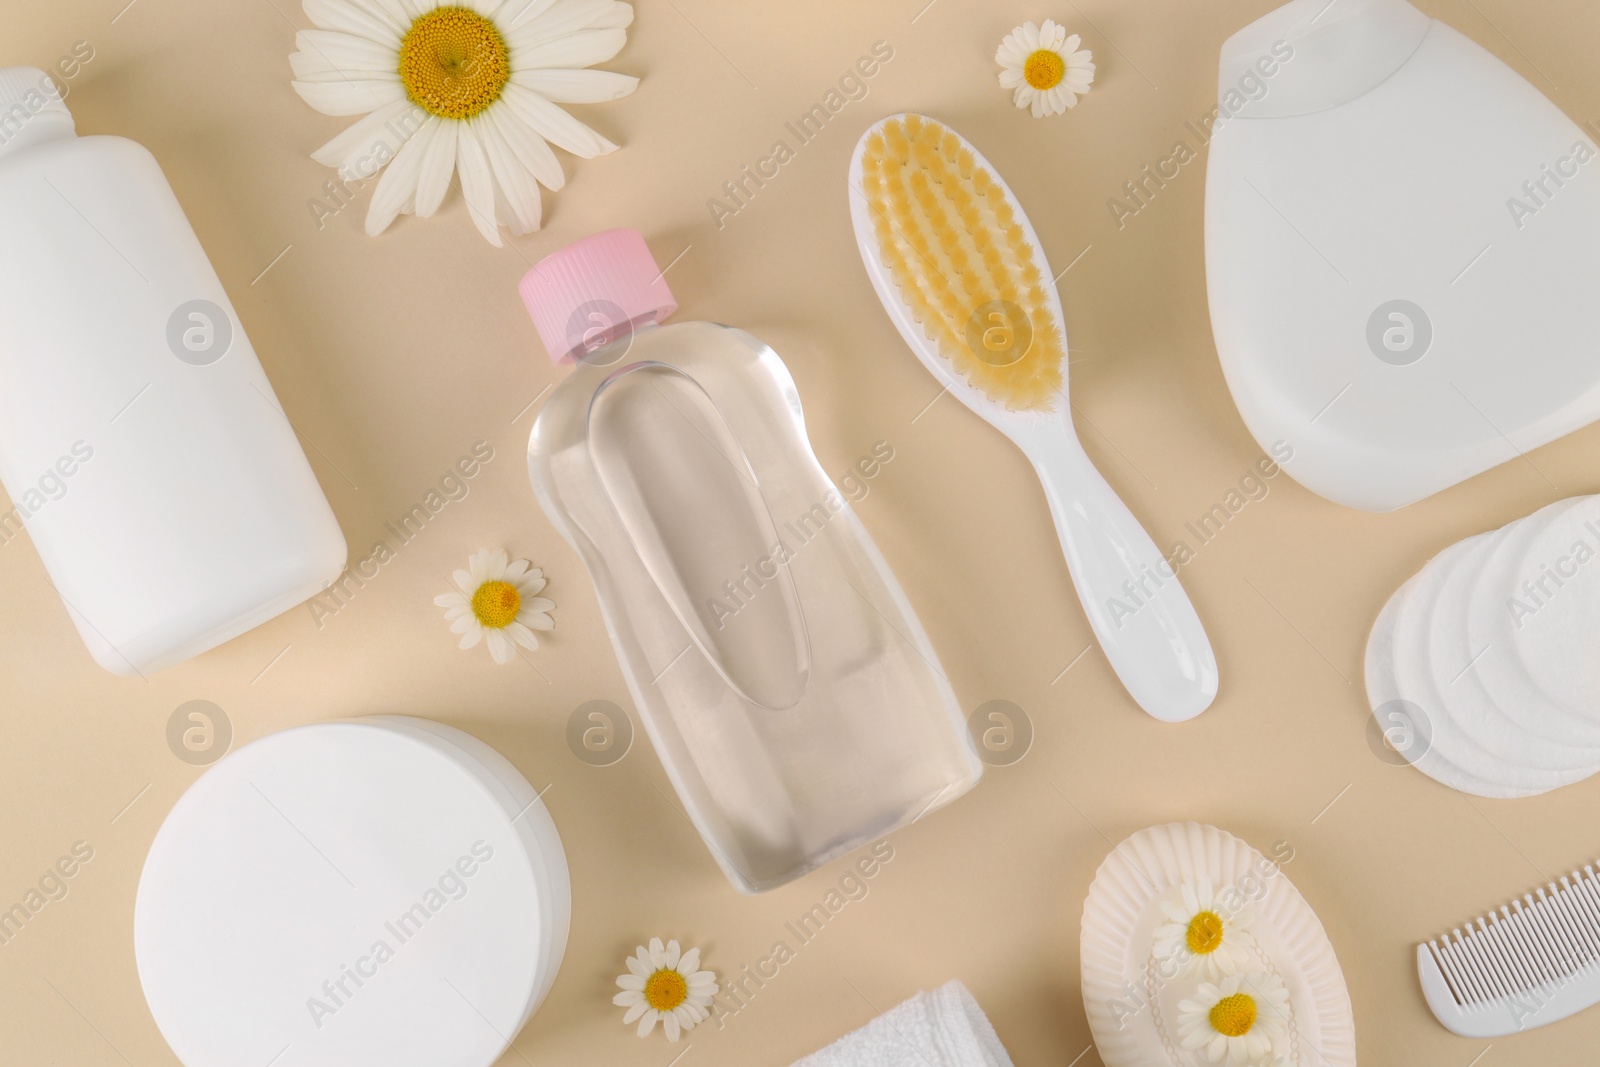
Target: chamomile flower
x,y
1241,1021
495,601
464,88
667,986
1202,934
1044,68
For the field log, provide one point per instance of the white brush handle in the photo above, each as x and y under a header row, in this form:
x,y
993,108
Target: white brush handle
x,y
1143,619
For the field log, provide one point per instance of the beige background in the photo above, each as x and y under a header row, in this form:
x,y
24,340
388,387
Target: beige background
x,y
392,356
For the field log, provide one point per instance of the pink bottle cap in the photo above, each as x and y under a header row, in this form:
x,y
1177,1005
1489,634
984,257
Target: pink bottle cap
x,y
593,292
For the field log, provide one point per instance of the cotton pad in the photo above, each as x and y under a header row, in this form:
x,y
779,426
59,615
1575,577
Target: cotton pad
x,y
1552,614
1451,740
1498,668
1503,703
1494,728
384,892
1383,692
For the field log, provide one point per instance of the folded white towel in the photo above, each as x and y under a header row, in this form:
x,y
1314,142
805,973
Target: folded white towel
x,y
945,1028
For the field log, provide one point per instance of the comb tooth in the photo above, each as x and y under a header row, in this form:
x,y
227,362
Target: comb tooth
x,y
1488,941
1469,981
1572,923
1530,941
1547,937
1464,947
1452,971
1514,955
1588,905
1516,922
1447,971
1495,976
1561,938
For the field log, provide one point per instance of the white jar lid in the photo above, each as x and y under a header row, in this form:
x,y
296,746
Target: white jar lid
x,y
387,892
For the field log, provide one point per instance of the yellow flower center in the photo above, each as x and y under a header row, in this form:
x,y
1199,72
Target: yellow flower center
x,y
1044,69
496,604
1234,1016
665,990
454,63
1205,933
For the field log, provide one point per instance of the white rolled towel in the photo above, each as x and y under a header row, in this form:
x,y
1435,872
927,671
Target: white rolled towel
x,y
944,1028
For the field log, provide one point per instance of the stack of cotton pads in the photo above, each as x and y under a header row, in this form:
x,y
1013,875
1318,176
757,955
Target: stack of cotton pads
x,y
1481,669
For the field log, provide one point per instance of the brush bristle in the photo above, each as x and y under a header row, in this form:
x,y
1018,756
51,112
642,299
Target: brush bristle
x,y
952,243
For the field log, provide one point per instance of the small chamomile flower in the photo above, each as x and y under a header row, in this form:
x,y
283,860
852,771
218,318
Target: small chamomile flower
x,y
665,985
1202,934
1044,68
1241,1021
495,601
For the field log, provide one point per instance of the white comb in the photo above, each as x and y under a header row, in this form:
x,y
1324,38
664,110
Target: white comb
x,y
1535,961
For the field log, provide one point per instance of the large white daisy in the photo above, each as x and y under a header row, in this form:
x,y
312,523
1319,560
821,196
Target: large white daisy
x,y
467,88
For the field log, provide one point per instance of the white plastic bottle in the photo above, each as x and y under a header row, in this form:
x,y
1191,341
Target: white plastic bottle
x,y
782,676
140,441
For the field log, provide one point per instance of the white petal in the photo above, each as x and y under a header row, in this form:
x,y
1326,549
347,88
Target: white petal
x,y
570,16
359,148
515,570
630,982
477,184
355,96
500,649
461,624
471,638
433,181
635,1011
1070,45
514,13
689,964
451,600
397,193
537,620
522,636
640,964
658,953
1024,95
1010,78
516,191
530,149
529,49
347,52
1028,33
353,18
669,1023
1051,34
555,125
674,953
579,86
648,1023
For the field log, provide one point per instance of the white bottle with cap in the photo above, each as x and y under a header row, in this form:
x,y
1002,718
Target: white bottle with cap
x,y
141,444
